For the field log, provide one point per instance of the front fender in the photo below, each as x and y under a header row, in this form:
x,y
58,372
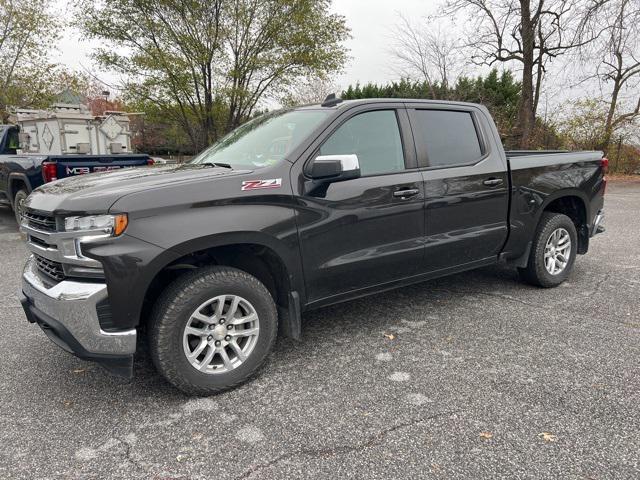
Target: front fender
x,y
130,265
158,237
270,223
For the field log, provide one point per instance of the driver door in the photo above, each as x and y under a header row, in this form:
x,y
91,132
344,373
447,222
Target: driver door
x,y
366,232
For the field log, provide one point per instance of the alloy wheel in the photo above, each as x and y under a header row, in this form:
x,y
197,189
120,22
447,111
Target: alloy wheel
x,y
557,251
221,334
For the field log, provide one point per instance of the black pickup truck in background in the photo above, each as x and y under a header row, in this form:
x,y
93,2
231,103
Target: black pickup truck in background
x,y
295,210
22,173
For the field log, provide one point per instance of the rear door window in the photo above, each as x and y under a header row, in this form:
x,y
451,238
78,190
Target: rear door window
x,y
449,137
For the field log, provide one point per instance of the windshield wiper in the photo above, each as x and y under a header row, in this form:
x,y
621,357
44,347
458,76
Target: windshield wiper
x,y
217,164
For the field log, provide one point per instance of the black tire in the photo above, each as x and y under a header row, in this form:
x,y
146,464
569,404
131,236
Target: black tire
x,y
535,272
18,200
173,310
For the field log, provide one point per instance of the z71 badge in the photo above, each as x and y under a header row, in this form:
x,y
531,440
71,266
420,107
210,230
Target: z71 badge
x,y
258,184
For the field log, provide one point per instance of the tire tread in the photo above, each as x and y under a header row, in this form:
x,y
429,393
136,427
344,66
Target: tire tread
x,y
176,296
535,273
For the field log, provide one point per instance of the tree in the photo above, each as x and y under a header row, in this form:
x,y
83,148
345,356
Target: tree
x,y
275,43
28,29
426,53
206,65
584,128
499,92
313,89
618,65
531,33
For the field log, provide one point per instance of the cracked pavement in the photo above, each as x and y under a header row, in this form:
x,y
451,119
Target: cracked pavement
x,y
474,375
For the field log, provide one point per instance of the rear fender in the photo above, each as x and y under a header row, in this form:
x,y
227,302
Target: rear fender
x,y
567,192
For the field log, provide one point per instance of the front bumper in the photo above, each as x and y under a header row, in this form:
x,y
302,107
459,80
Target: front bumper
x,y
67,313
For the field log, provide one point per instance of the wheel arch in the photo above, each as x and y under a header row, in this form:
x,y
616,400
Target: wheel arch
x,y
265,258
574,204
15,182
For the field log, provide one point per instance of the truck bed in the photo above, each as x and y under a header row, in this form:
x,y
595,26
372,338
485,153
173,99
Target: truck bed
x,y
521,159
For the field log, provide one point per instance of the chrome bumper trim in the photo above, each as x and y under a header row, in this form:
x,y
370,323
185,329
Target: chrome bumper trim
x,y
73,304
597,223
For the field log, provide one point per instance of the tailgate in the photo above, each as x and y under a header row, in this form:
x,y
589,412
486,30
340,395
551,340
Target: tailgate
x,y
70,165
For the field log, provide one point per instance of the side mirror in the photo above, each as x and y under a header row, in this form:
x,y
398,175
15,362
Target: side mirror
x,y
334,168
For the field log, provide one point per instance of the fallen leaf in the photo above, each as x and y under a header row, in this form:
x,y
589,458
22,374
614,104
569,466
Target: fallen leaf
x,y
390,336
182,458
486,435
79,370
548,437
67,403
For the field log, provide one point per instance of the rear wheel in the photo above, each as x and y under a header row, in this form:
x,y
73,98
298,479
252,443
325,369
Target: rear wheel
x,y
18,204
553,252
212,329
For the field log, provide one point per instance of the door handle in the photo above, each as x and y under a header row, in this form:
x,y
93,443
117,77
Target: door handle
x,y
493,182
410,192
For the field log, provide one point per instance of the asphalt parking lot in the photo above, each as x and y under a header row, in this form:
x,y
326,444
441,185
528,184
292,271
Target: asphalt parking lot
x,y
472,376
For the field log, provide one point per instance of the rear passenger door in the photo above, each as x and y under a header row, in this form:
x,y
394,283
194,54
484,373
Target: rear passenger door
x,y
466,186
367,231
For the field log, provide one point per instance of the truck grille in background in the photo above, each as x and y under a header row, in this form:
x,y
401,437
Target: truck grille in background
x,y
50,268
40,222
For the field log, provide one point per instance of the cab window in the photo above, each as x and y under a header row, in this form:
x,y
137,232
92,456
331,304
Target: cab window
x,y
374,137
13,141
450,138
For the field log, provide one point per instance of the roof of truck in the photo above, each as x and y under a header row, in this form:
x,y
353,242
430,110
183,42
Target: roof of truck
x,y
340,104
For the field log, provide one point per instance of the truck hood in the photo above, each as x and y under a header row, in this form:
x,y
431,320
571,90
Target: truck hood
x,y
96,192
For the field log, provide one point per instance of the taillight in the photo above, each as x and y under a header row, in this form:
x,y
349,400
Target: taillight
x,y
49,171
150,161
604,163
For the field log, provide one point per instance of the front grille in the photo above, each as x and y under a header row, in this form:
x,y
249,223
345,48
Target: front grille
x,y
40,222
50,268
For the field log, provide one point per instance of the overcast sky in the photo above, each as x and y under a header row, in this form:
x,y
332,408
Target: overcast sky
x,y
371,23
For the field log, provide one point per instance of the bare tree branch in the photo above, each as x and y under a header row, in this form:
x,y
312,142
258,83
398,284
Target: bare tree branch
x,y
537,31
426,53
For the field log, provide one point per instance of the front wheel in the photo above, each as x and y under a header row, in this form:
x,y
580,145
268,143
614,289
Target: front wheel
x,y
18,204
553,252
212,330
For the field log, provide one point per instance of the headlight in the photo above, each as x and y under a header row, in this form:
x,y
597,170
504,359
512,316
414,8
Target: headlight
x,y
111,224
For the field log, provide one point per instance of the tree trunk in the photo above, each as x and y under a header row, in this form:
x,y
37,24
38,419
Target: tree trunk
x,y
608,126
526,113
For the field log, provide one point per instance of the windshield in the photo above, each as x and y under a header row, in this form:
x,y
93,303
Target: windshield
x,y
264,140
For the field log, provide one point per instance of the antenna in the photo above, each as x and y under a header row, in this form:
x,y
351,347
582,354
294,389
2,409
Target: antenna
x,y
331,100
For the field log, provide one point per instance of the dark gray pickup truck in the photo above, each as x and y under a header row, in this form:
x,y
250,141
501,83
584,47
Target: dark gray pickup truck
x,y
295,210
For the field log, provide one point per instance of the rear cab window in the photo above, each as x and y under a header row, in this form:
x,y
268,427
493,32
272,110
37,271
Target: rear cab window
x,y
447,137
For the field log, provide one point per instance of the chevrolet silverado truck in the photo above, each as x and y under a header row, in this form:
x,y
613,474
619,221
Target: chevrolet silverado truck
x,y
46,145
295,210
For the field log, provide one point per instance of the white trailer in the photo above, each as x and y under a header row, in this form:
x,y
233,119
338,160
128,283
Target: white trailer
x,y
72,129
